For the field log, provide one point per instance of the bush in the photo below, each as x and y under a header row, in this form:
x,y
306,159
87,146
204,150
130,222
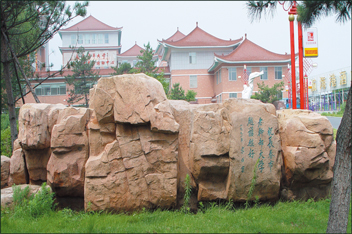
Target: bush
x,y
6,145
33,206
5,122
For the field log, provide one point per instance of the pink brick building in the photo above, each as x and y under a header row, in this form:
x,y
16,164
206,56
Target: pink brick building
x,y
214,68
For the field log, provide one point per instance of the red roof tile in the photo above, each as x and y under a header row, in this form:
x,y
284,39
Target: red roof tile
x,y
198,37
133,51
88,24
177,36
249,51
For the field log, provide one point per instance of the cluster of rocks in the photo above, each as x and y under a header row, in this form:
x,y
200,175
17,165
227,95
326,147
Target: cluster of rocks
x,y
132,149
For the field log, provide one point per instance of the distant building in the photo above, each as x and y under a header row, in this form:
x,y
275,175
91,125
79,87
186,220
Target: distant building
x,y
103,43
212,67
101,40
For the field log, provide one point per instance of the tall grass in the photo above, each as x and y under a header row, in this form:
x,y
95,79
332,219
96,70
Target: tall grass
x,y
283,217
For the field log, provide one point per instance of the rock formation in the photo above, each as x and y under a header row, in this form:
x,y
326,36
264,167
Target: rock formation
x,y
36,122
133,148
133,141
309,153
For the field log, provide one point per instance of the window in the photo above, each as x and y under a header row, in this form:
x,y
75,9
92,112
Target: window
x,y
232,95
106,36
73,39
93,38
193,82
192,58
86,39
278,73
100,38
232,73
249,70
80,39
265,75
134,62
51,89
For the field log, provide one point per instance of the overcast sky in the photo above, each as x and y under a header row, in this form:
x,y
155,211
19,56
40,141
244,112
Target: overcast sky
x,y
145,21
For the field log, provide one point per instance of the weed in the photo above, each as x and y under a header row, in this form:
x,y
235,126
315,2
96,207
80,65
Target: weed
x,y
186,199
251,189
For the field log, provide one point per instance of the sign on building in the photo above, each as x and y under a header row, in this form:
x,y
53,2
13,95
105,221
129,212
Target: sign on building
x,y
310,42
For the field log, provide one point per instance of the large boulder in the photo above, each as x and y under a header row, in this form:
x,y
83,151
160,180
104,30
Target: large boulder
x,y
35,125
5,170
7,193
133,145
308,153
69,146
223,145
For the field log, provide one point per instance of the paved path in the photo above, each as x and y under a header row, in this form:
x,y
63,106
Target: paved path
x,y
335,121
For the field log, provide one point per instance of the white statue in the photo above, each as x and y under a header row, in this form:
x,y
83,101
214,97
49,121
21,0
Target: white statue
x,y
247,90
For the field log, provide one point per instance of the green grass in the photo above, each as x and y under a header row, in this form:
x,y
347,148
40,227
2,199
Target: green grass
x,y
333,114
284,217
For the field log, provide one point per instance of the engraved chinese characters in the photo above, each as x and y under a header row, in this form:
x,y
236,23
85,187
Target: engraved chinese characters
x,y
254,143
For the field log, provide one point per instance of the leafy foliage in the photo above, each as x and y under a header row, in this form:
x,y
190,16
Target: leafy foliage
x,y
6,145
34,205
268,95
82,79
308,11
178,93
146,64
124,68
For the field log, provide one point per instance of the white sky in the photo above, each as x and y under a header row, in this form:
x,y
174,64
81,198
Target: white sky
x,y
145,21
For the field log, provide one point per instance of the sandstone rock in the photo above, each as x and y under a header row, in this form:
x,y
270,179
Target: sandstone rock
x,y
5,170
7,193
18,170
254,146
135,101
212,152
35,122
308,153
69,145
138,169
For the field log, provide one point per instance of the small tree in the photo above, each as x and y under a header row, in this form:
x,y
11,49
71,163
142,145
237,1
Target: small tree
x,y
82,78
178,93
146,64
268,95
191,95
124,68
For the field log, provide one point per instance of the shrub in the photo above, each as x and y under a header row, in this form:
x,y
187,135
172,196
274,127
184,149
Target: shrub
x,y
34,205
6,145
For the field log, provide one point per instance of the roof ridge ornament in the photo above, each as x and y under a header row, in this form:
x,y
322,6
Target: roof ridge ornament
x,y
197,24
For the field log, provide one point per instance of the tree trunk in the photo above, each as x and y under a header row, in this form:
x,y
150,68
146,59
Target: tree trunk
x,y
341,183
9,93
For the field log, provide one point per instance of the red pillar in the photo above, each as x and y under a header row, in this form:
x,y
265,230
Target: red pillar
x,y
293,68
300,63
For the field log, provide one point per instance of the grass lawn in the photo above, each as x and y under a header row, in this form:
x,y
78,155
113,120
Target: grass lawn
x,y
283,217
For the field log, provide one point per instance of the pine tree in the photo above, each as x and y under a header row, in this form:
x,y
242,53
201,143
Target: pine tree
x,y
82,79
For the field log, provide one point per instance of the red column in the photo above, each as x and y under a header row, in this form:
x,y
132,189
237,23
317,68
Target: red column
x,y
293,68
300,63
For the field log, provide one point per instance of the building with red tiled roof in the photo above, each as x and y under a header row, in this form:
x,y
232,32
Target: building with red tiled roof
x,y
212,67
101,40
